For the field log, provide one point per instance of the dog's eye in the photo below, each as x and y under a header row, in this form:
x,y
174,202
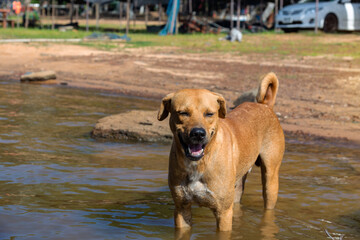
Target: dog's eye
x,y
183,113
209,114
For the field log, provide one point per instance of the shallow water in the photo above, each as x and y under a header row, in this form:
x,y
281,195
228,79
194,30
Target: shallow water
x,y
58,183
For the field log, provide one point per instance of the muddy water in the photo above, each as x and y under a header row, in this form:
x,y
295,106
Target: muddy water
x,y
58,183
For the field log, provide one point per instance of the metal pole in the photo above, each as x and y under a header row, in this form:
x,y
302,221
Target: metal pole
x,y
316,15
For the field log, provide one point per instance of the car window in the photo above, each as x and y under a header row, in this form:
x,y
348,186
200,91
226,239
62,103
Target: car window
x,y
355,1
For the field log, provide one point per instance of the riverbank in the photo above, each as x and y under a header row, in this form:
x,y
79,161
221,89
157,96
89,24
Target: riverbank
x,y
318,95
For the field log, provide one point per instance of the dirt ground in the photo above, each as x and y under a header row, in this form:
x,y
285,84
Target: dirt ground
x,y
318,97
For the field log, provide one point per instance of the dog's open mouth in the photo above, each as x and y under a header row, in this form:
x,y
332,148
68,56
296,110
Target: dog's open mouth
x,y
193,152
196,150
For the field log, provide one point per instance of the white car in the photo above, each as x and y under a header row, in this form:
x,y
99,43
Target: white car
x,y
333,15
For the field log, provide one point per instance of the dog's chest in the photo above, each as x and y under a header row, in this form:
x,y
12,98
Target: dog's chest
x,y
194,189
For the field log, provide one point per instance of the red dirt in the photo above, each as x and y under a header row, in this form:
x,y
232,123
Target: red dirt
x,y
317,96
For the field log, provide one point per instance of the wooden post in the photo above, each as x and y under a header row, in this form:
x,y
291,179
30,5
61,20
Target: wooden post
x,y
97,12
87,15
238,14
160,10
41,13
27,2
276,11
17,20
53,15
120,14
231,14
4,15
134,13
316,15
177,24
120,10
146,14
127,16
71,11
77,13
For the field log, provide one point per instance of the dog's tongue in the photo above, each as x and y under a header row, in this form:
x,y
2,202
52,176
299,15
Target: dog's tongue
x,y
196,150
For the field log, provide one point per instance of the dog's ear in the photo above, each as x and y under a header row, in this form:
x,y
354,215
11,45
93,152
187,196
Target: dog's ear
x,y
222,103
165,107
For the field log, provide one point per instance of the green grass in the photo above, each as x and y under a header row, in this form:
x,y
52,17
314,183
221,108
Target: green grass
x,y
267,43
10,33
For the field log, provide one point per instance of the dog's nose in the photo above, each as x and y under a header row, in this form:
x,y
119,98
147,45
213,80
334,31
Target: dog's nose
x,y
197,134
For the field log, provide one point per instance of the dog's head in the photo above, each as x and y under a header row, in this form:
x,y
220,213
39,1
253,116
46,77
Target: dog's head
x,y
194,116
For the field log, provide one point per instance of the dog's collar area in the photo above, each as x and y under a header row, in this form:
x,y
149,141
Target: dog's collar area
x,y
193,152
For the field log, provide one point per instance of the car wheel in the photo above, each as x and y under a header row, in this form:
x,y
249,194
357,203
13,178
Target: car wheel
x,y
330,23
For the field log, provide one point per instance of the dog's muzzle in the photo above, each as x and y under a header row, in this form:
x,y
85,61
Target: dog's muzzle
x,y
194,144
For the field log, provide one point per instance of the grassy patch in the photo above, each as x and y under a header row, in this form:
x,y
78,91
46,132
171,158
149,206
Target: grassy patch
x,y
267,43
12,33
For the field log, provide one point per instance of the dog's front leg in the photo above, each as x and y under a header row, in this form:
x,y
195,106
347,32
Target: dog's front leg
x,y
182,215
224,219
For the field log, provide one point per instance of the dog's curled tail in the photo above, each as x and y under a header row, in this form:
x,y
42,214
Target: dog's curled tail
x,y
268,89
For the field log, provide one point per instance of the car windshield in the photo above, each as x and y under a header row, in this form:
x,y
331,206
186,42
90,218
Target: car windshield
x,y
308,1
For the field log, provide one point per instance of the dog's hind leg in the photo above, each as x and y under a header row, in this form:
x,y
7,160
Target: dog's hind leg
x,y
270,165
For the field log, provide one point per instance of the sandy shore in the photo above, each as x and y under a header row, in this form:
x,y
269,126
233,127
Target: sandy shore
x,y
317,96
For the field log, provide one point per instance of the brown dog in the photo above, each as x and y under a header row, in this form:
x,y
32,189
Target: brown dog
x,y
211,155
